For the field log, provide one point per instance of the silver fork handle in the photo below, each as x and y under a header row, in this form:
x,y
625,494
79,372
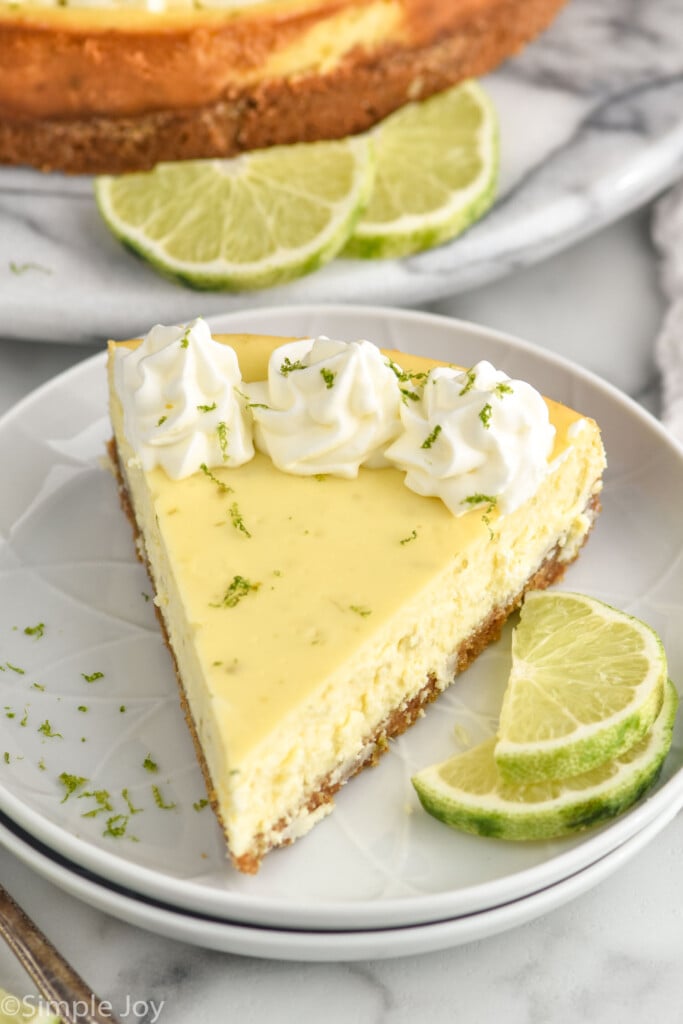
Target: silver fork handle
x,y
55,979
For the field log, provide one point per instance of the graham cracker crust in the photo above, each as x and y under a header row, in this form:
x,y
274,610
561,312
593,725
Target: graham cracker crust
x,y
398,721
443,48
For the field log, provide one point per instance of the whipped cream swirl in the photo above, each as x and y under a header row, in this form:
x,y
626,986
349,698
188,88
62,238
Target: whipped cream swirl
x,y
181,403
327,407
474,439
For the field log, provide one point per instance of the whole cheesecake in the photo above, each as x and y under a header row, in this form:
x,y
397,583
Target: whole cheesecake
x,y
113,86
315,606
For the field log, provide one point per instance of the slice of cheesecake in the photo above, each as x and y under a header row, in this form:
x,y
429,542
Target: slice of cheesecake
x,y
313,608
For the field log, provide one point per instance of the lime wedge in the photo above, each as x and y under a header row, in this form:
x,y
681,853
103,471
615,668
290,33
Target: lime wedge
x,y
437,164
587,682
468,792
22,1011
259,219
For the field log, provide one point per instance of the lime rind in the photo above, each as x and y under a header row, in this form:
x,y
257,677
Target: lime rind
x,y
413,232
561,760
161,207
525,758
468,792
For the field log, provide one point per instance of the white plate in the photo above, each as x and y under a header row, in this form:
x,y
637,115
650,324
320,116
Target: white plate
x,y
378,861
591,127
382,944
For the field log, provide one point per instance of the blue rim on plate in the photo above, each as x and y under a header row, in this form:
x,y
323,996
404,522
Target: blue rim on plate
x,y
319,947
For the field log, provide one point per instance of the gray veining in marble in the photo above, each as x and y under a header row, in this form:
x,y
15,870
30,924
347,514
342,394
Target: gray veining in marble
x,y
591,127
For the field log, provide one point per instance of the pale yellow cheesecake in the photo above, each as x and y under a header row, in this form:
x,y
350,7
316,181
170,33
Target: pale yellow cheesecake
x,y
316,595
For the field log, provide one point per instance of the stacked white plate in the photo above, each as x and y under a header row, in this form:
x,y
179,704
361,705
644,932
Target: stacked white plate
x,y
379,877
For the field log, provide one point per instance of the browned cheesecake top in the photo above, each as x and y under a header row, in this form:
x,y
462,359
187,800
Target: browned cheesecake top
x,y
65,61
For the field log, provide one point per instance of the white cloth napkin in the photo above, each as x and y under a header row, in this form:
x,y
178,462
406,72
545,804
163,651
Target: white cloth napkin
x,y
667,233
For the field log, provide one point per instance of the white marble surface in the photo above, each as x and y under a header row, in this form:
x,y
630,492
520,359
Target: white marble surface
x,y
591,127
611,956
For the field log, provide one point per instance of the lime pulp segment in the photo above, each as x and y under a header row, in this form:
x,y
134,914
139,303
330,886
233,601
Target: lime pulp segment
x,y
259,219
437,164
587,682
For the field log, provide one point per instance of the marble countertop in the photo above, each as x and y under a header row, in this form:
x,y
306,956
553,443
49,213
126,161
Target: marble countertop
x,y
611,955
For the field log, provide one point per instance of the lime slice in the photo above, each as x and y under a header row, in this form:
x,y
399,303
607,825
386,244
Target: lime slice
x,y
21,1011
587,682
260,219
469,793
437,163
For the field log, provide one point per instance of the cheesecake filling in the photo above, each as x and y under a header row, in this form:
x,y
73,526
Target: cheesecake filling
x,y
324,737
295,648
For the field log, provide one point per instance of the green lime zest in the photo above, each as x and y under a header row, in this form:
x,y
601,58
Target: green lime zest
x,y
485,414
214,479
223,433
102,800
481,499
431,438
131,807
92,677
46,730
289,367
159,800
237,520
71,783
22,268
470,380
238,588
116,826
411,536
